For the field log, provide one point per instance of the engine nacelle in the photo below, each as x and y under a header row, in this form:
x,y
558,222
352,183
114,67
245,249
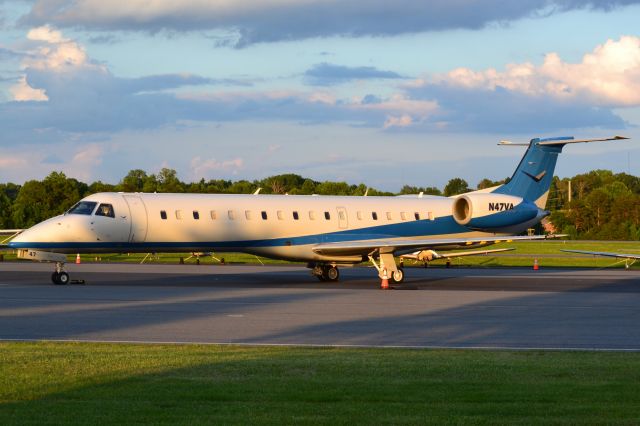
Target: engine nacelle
x,y
488,211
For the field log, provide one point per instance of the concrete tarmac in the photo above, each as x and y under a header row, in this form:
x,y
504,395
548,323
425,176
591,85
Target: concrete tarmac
x,y
459,308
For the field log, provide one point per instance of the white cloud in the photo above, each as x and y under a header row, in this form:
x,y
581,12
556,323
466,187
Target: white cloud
x,y
609,76
13,162
46,33
402,121
85,161
52,53
206,168
89,155
401,111
21,91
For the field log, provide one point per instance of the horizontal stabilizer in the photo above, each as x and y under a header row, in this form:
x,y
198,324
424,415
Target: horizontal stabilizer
x,y
564,142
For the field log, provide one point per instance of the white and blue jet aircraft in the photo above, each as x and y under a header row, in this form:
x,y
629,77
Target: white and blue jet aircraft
x,y
324,231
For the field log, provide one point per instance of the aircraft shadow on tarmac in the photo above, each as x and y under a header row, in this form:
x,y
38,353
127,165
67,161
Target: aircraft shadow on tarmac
x,y
280,308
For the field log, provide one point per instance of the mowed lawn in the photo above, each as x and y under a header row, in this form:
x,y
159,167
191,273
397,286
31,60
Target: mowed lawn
x,y
547,253
89,383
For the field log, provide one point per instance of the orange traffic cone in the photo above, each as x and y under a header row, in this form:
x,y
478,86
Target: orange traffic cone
x,y
78,258
384,285
535,265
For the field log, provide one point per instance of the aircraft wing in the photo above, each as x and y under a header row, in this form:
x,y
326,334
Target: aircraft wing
x,y
604,253
407,246
432,255
10,231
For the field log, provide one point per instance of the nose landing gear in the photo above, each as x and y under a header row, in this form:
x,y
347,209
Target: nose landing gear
x,y
60,276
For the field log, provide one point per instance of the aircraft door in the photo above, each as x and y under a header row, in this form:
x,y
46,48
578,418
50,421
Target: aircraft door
x,y
343,220
138,212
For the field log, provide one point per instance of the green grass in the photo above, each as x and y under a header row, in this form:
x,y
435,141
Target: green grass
x,y
87,383
547,252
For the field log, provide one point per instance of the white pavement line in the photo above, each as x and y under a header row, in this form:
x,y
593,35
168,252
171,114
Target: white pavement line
x,y
318,345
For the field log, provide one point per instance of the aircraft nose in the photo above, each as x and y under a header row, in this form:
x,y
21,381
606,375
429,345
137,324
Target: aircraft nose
x,y
24,237
46,231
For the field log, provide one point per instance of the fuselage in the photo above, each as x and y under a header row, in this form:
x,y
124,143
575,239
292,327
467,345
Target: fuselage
x,y
279,226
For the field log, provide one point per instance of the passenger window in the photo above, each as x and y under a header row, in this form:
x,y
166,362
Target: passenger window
x,y
105,210
279,214
389,216
327,216
312,215
247,214
230,214
359,215
403,215
264,215
417,215
295,216
374,215
213,215
178,214
163,215
196,215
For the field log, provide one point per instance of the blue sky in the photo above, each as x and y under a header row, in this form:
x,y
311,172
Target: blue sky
x,y
365,91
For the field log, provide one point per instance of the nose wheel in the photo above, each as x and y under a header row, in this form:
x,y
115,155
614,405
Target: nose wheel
x,y
60,276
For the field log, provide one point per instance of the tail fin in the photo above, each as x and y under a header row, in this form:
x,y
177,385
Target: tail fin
x,y
532,178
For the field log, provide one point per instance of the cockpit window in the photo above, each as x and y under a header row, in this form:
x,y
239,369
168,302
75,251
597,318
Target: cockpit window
x,y
83,207
105,210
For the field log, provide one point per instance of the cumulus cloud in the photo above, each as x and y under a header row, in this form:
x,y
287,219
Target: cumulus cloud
x,y
54,52
21,91
78,96
609,76
207,168
526,97
325,74
254,21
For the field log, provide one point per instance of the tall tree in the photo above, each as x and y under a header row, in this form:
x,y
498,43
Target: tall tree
x,y
456,186
168,181
133,181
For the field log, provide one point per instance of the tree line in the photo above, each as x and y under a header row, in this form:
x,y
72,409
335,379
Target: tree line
x,y
598,204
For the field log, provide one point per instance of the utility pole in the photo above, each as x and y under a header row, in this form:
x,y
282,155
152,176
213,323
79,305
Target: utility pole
x,y
569,191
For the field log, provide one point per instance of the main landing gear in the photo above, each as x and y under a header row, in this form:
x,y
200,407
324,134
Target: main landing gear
x,y
384,263
60,276
325,272
386,266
